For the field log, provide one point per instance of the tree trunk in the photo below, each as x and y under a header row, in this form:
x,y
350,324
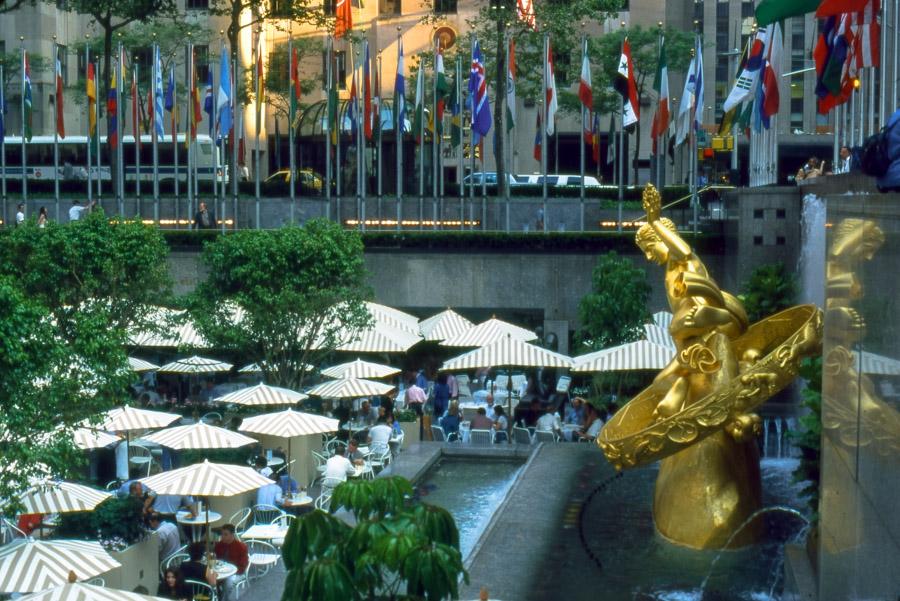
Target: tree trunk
x,y
500,107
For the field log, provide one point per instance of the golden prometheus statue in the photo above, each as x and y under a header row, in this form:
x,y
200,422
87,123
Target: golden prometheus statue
x,y
696,417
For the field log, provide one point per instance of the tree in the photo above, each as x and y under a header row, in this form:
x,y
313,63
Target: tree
x,y
68,297
278,76
12,66
7,6
396,545
615,310
645,55
283,297
770,289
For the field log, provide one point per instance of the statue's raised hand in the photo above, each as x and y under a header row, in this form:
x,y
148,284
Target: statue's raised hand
x,y
651,202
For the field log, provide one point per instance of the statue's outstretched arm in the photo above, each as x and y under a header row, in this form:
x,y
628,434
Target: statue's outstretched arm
x,y
678,248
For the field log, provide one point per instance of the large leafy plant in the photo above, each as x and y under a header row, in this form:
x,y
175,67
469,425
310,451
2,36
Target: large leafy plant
x,y
771,288
115,523
398,549
808,438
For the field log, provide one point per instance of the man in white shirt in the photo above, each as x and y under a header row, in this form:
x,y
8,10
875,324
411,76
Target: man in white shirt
x,y
76,211
549,422
843,165
270,494
338,466
380,435
169,538
20,215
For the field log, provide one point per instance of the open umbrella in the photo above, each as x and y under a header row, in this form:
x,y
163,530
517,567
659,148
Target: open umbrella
x,y
27,565
638,355
349,388
288,424
195,365
360,369
393,317
87,439
488,332
444,325
79,591
507,352
62,497
380,338
256,368
180,333
129,419
140,365
262,394
199,436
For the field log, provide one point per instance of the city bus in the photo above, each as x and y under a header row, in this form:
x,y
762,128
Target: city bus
x,y
73,159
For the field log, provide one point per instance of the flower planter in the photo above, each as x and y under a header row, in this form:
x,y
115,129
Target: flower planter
x,y
410,433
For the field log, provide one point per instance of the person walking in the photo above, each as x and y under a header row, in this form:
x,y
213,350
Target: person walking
x,y
42,218
20,214
204,219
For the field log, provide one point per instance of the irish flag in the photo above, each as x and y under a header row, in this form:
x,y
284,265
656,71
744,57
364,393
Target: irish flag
x,y
661,85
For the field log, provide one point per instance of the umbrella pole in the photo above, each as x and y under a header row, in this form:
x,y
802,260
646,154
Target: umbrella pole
x,y
509,412
208,537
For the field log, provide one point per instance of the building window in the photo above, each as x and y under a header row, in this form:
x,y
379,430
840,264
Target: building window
x,y
144,58
758,213
797,108
390,8
747,9
780,214
330,7
757,240
196,4
780,240
445,7
281,8
340,75
201,62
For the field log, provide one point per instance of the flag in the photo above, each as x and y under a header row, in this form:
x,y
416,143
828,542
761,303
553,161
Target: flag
x,y
830,8
333,102
376,102
595,138
343,21
400,91
833,59
224,113
585,91
611,142
2,112
170,102
442,89
692,96
353,106
135,110
455,117
661,85
420,103
26,96
752,65
867,35
550,95
60,123
196,116
772,75
481,107
158,99
770,11
111,110
367,94
625,84
537,139
525,13
208,103
511,86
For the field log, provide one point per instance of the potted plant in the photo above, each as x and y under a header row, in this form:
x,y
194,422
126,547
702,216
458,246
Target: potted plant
x,y
409,423
398,549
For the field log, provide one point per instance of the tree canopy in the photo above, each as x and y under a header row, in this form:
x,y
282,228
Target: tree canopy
x,y
284,298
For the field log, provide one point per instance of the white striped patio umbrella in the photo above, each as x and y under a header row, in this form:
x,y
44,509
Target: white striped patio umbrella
x,y
879,365
349,388
206,480
256,368
127,419
658,335
507,352
28,566
262,394
179,334
79,591
393,317
140,365
195,365
380,338
663,319
360,369
488,332
62,497
87,439
638,355
287,424
198,436
444,325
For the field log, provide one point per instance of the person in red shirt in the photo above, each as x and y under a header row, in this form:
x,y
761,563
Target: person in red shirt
x,y
230,549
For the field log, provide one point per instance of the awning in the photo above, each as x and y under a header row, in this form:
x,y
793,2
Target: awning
x,y
199,436
488,332
360,369
287,424
444,325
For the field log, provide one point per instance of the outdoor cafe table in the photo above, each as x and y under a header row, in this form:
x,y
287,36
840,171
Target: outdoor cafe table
x,y
296,503
264,532
224,570
197,523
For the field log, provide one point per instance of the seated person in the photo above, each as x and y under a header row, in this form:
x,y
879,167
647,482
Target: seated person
x,y
575,412
549,422
133,488
288,485
230,549
481,421
391,421
270,494
368,414
169,537
500,422
592,424
380,435
194,568
262,466
353,452
173,586
169,505
450,422
338,466
29,522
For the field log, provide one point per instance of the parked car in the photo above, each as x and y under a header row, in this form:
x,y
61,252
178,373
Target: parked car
x,y
489,177
559,180
308,179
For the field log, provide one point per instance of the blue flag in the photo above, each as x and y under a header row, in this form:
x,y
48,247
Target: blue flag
x,y
481,108
208,103
158,96
170,91
223,98
400,90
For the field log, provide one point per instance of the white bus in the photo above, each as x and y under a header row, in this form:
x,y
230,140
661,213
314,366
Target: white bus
x,y
73,159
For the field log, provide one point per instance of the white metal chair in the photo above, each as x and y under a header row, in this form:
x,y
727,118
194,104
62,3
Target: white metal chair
x,y
332,445
545,436
263,556
240,518
481,437
201,591
264,514
378,460
501,436
140,456
282,521
522,435
113,485
323,500
320,460
437,433
212,418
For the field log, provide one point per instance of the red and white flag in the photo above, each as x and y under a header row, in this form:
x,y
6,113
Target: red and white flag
x,y
585,92
772,74
60,123
551,96
627,87
525,13
343,21
867,35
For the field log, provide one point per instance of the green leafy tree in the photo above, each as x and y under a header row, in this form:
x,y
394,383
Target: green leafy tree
x,y
645,55
615,310
771,288
397,544
808,437
278,75
284,297
7,6
12,67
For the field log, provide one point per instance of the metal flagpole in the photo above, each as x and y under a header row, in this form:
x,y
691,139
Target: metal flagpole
x,y
581,142
120,124
544,134
338,171
24,155
882,67
870,129
861,104
3,146
215,148
136,128
358,111
328,125
620,158
895,10
154,136
55,133
175,142
97,132
291,93
435,140
258,89
377,120
189,122
507,130
398,132
235,115
421,143
460,167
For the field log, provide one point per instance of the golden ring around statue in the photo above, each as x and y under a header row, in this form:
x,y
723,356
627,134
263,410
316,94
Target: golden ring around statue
x,y
635,437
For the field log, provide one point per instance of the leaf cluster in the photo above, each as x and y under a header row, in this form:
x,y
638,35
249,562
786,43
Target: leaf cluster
x,y
808,437
771,288
113,518
396,544
278,80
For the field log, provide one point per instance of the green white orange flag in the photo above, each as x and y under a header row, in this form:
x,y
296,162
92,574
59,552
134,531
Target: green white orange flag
x,y
420,104
661,85
442,89
511,86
